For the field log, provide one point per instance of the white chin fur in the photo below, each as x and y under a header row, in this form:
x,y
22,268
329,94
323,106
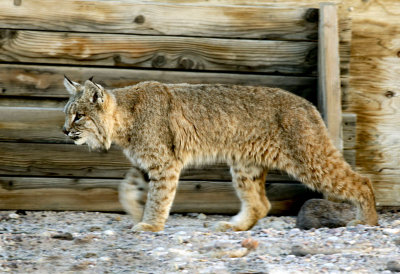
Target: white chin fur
x,y
93,143
80,141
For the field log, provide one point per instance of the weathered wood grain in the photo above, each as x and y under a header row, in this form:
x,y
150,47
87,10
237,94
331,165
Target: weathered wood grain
x,y
167,52
349,128
101,195
32,124
67,160
47,81
329,73
373,95
133,17
265,3
32,102
60,160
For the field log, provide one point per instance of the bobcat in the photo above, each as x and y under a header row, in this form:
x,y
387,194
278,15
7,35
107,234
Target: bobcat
x,y
164,127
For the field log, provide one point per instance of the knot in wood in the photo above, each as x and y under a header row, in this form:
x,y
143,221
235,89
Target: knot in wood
x,y
312,56
117,60
186,63
139,19
390,94
17,2
312,15
5,33
158,61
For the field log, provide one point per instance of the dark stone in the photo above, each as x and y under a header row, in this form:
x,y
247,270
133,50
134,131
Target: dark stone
x,y
63,236
393,266
317,213
20,212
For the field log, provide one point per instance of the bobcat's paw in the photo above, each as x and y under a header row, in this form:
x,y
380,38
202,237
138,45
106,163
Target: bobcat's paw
x,y
140,227
232,226
223,226
354,223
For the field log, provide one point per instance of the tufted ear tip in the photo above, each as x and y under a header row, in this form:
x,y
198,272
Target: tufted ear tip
x,y
91,79
71,86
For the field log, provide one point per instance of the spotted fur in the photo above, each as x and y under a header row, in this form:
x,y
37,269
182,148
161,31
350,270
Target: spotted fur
x,y
164,127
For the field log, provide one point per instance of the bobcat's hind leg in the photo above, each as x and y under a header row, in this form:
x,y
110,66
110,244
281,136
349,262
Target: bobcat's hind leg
x,y
249,183
133,193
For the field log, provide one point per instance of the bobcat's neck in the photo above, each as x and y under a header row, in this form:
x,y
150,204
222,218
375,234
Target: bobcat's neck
x,y
122,117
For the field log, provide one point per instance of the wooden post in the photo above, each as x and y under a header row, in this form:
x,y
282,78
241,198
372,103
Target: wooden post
x,y
329,99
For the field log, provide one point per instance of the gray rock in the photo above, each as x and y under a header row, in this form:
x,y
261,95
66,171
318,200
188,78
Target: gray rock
x,y
301,251
397,241
317,213
393,266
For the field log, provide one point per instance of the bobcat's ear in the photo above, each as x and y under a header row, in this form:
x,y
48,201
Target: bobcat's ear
x,y
94,92
71,86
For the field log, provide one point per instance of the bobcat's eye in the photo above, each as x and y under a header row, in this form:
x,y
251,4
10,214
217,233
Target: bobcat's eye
x,y
78,116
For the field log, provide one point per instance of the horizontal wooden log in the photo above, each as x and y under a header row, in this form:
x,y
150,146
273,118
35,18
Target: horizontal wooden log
x,y
32,124
32,102
47,81
101,195
167,52
65,160
133,17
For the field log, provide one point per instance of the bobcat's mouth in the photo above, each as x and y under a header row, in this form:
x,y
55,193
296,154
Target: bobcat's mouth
x,y
75,138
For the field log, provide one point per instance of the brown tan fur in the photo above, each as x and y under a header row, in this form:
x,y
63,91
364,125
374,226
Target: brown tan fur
x,y
164,127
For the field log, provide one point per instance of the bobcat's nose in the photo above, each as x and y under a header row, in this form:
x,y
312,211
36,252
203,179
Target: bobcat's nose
x,y
66,132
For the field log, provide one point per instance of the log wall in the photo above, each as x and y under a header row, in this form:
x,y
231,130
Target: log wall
x,y
122,43
370,85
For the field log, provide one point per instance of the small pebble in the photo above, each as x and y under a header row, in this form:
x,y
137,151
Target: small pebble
x,y
13,216
250,244
391,231
81,266
109,232
105,259
94,228
63,236
90,255
84,240
202,216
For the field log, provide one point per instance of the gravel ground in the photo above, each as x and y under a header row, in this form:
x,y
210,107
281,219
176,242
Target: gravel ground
x,y
92,242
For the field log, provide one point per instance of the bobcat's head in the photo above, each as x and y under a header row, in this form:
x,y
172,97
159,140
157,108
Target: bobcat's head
x,y
89,114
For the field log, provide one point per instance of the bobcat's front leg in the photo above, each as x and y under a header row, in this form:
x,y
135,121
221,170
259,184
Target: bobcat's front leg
x,y
162,189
